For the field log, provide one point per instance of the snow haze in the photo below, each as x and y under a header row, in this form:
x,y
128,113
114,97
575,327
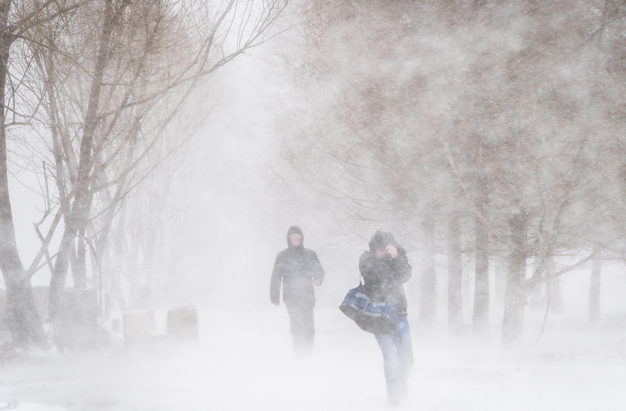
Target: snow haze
x,y
441,124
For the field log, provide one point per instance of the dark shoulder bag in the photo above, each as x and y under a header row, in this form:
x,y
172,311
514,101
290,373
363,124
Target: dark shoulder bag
x,y
375,318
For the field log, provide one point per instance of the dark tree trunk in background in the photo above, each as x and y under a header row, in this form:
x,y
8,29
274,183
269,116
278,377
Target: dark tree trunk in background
x,y
79,269
116,253
455,273
500,282
22,317
467,287
79,261
428,289
59,273
481,282
480,318
515,298
556,296
594,286
537,299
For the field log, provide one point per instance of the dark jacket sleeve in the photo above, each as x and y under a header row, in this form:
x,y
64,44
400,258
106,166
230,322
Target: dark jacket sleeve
x,y
402,270
316,267
277,277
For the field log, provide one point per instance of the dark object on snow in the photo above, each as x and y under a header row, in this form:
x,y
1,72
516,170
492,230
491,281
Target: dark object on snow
x,y
182,322
375,318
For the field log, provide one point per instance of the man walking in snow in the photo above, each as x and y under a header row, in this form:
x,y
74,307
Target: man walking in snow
x,y
298,269
385,268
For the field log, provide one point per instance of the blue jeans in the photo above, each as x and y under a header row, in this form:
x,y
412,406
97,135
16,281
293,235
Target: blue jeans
x,y
397,359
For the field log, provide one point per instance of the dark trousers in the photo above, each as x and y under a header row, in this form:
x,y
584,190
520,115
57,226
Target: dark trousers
x,y
302,327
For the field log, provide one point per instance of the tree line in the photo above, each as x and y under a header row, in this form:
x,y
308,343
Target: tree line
x,y
488,129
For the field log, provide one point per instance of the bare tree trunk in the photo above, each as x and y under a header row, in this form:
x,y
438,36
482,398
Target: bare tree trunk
x,y
552,290
467,287
119,256
79,261
500,282
537,299
23,321
79,213
515,299
556,296
455,273
59,273
594,286
481,282
22,317
428,300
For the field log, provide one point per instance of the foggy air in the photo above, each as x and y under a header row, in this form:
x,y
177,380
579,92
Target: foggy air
x,y
312,205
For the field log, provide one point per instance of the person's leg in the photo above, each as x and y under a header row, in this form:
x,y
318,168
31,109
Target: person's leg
x,y
308,320
390,365
297,327
404,349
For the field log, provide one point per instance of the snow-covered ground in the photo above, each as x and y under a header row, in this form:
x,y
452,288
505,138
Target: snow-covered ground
x,y
244,361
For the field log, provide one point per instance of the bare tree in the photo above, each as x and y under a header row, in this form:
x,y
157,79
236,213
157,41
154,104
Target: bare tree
x,y
110,78
16,18
137,77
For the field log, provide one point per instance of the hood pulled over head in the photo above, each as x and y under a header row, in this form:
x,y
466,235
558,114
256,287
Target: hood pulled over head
x,y
381,240
294,229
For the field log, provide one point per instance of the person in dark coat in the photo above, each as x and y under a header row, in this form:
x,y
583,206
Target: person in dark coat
x,y
298,269
385,268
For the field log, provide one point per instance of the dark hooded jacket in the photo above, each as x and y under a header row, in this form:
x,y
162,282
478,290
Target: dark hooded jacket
x,y
384,279
297,268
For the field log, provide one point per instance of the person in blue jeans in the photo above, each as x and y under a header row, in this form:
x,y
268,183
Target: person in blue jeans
x,y
385,268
